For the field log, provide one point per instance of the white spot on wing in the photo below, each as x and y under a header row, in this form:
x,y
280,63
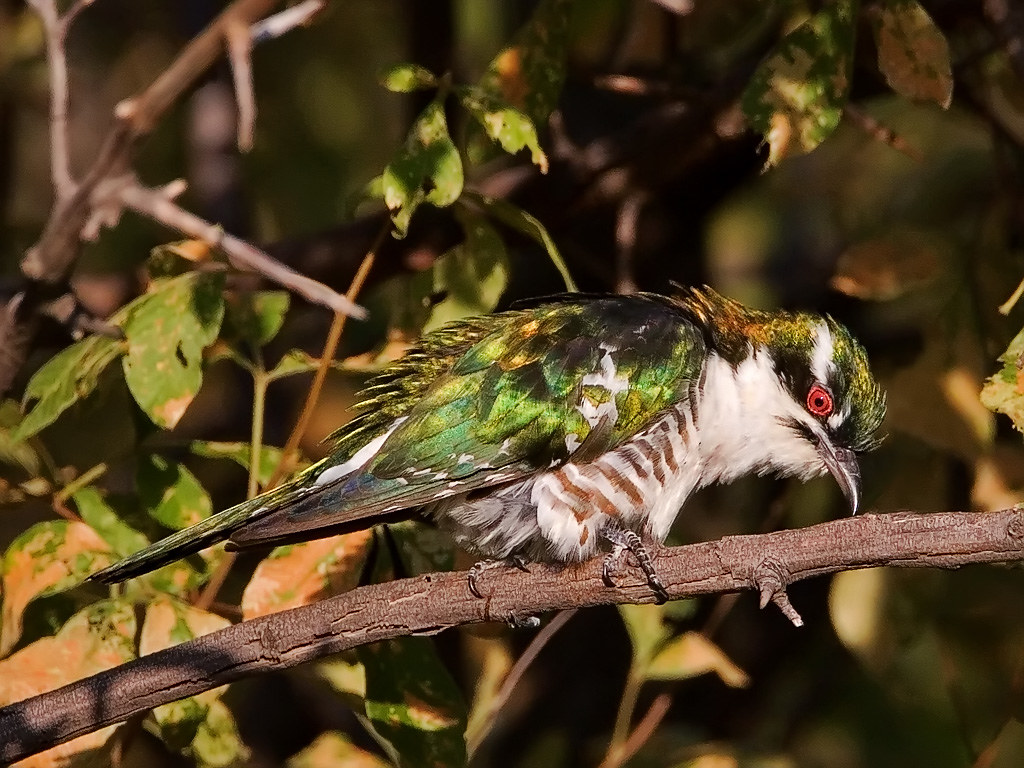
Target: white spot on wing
x,y
359,458
605,378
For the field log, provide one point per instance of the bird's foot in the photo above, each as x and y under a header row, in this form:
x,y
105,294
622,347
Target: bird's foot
x,y
624,540
485,565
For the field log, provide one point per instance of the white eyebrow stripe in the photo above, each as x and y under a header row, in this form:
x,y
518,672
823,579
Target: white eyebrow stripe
x,y
822,355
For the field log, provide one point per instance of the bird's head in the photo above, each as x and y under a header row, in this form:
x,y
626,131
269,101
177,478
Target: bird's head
x,y
805,379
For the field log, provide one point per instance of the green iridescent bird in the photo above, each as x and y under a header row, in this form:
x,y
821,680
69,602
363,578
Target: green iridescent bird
x,y
575,426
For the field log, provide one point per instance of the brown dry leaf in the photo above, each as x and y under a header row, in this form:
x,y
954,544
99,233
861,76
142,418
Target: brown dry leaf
x,y
692,654
333,749
47,558
913,54
96,638
304,573
886,267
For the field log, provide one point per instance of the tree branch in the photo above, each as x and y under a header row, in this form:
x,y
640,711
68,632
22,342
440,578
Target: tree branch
x,y
428,604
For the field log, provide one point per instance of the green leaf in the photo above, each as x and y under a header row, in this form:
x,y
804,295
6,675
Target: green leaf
x,y
256,317
48,558
413,703
16,453
171,494
292,362
427,169
99,516
690,655
529,73
167,330
405,78
240,453
913,54
529,225
647,631
472,275
200,727
1004,391
69,376
796,97
510,127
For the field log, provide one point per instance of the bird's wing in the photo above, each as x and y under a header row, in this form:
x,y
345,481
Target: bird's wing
x,y
572,379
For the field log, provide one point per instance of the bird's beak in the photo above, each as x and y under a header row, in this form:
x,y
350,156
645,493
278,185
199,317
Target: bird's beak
x,y
842,463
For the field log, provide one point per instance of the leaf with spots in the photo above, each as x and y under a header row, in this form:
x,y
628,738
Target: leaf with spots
x,y
48,558
270,457
406,78
427,169
171,494
200,727
301,574
527,75
413,703
796,97
67,377
97,638
167,331
1004,391
913,54
471,276
503,123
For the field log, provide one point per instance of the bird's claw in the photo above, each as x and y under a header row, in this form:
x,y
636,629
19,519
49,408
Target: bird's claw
x,y
624,540
483,565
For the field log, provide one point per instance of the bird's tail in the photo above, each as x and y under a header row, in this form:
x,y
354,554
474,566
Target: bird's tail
x,y
190,540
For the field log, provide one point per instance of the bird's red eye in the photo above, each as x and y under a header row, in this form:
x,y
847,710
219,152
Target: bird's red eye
x,y
819,401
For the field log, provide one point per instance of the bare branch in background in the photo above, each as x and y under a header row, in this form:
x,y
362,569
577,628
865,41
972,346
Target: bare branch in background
x,y
428,604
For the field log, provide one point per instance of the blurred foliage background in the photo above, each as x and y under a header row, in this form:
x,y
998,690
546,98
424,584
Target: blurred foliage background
x,y
862,159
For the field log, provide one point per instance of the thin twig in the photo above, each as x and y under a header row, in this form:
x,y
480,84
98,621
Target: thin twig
x,y
475,738
285,21
641,734
56,28
158,205
326,358
239,49
213,586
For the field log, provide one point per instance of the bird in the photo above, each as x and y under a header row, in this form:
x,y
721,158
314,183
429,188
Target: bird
x,y
570,427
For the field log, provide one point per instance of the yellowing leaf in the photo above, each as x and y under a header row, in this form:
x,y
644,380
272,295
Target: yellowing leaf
x,y
1004,391
527,76
167,330
300,574
912,52
405,78
692,654
97,638
796,97
48,558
